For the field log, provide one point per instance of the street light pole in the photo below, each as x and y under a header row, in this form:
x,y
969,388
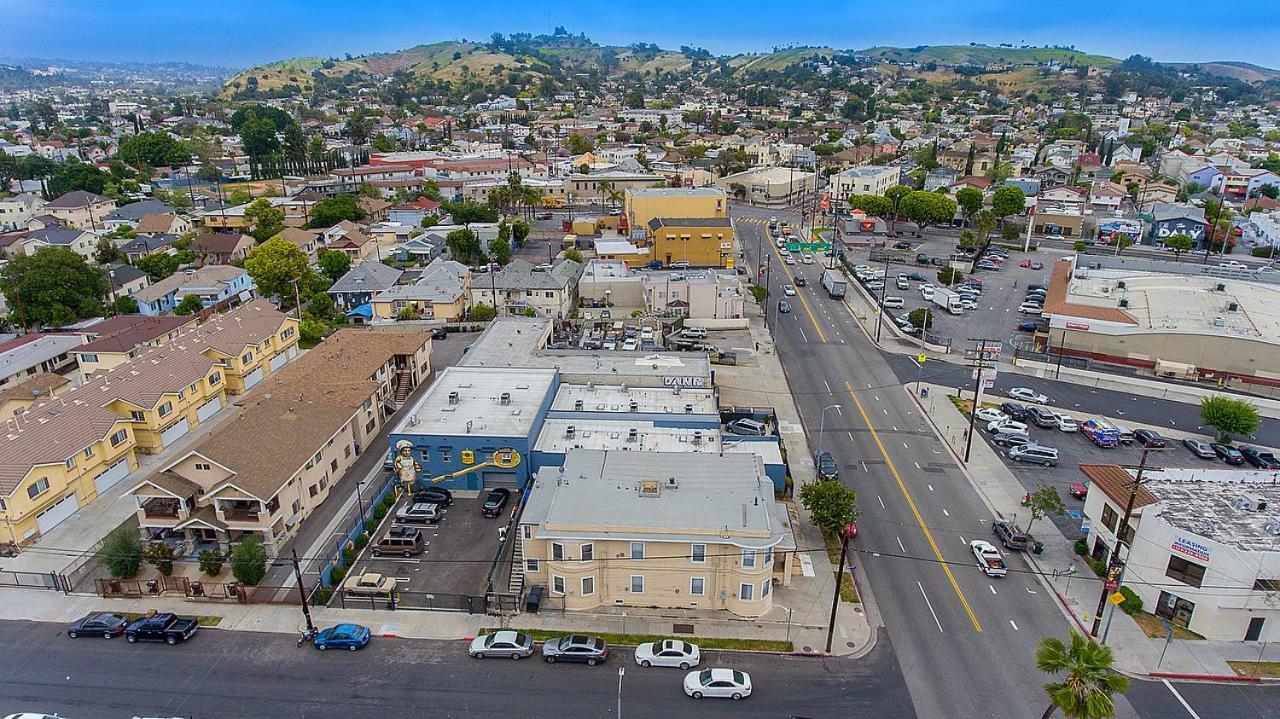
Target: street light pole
x,y
822,425
359,499
884,287
1114,566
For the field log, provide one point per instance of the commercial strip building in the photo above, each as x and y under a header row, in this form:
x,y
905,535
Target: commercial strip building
x,y
61,452
642,205
319,413
1202,549
1185,326
691,241
610,289
657,529
770,186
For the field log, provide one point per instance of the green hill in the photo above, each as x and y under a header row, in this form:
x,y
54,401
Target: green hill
x,y
984,54
1243,71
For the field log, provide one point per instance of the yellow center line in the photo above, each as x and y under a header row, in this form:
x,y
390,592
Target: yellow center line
x,y
812,318
911,503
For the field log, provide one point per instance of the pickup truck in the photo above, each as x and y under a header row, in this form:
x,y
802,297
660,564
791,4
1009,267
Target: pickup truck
x,y
989,558
167,627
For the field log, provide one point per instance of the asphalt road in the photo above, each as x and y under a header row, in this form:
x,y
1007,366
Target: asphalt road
x,y
252,676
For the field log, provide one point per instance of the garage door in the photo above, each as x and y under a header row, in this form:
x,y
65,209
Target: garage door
x,y
174,432
500,479
253,378
49,518
113,474
278,361
293,351
208,409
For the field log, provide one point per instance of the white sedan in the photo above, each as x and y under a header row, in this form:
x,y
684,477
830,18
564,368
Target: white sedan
x,y
668,653
789,290
990,414
1005,426
1028,395
1067,423
724,683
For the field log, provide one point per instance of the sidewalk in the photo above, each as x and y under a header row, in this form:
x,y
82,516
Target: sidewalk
x,y
1065,574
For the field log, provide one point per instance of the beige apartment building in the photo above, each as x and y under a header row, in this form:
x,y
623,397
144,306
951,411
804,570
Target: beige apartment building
x,y
674,530
319,414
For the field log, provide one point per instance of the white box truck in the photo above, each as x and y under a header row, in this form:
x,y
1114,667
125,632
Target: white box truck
x,y
833,283
947,300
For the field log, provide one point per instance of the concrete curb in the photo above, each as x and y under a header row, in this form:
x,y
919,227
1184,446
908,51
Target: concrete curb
x,y
1216,678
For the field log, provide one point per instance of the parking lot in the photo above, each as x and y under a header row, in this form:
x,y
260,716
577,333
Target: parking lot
x,y
997,315
459,550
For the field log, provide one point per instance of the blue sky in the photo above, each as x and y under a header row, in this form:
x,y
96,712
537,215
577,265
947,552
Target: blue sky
x,y
247,32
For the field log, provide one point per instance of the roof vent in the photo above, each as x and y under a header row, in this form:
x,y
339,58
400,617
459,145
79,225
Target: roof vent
x,y
453,397
672,483
697,437
1219,322
1120,285
650,488
688,408
577,404
504,398
1124,302
1233,307
569,431
1221,287
633,434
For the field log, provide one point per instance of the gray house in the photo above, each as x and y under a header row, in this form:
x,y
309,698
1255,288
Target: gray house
x,y
362,282
1169,219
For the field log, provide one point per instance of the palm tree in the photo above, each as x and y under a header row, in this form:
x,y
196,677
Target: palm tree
x,y
1086,691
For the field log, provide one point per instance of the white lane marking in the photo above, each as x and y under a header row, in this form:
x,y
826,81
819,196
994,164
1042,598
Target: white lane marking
x,y
839,411
850,436
1177,696
828,387
863,462
895,428
992,588
904,446
886,411
802,334
877,398
904,549
931,488
881,501
946,513
1015,626
917,465
935,614
1031,591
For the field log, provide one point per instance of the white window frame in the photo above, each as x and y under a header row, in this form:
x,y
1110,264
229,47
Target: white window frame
x,y
557,552
587,548
693,553
750,592
632,584
591,578
634,545
554,581
702,593
764,588
749,559
531,565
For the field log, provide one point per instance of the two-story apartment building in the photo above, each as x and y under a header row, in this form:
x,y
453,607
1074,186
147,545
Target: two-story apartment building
x,y
31,354
16,398
216,285
17,210
656,529
80,209
249,343
440,293
114,341
643,204
319,413
865,180
518,289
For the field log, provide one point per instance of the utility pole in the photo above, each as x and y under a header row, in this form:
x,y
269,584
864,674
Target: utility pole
x,y
850,531
884,287
981,358
302,593
1115,567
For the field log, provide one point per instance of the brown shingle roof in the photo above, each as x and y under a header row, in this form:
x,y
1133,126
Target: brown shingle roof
x,y
48,433
1056,303
1115,482
155,224
123,333
43,383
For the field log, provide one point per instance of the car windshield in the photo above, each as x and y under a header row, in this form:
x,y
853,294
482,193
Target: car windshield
x,y
489,640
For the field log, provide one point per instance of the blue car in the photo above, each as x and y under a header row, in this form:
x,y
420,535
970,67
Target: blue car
x,y
343,636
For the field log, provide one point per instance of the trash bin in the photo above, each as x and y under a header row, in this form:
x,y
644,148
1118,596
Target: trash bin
x,y
924,392
533,599
1037,548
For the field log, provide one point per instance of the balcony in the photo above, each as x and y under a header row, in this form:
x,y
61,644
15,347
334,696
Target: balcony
x,y
162,510
240,515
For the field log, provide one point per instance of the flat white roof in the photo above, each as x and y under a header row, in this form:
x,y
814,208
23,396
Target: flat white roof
x,y
1186,303
478,407
618,398
1203,502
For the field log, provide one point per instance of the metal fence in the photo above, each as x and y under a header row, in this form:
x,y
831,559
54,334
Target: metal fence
x,y
326,573
31,580
398,599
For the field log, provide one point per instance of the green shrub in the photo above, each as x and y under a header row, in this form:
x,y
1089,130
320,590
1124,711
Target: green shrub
x,y
362,540
1132,603
379,512
1082,546
348,555
1098,566
211,562
389,501
337,575
323,595
1264,251
122,552
161,555
369,526
249,561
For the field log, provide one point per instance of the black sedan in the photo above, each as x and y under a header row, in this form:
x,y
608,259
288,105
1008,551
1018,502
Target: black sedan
x,y
496,501
1229,454
433,495
1015,411
98,625
576,648
1149,438
1200,448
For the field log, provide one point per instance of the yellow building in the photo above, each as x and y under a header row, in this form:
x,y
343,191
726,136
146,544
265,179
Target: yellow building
x,y
17,397
249,343
642,205
673,530
691,242
117,340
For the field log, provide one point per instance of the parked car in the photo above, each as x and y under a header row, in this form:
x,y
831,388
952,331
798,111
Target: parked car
x,y
668,653
721,683
343,636
968,304
102,624
784,307
576,648
747,428
801,281
369,584
1028,395
990,561
439,333
1034,454
419,513
1006,425
1014,410
893,303
1030,308
165,627
826,466
915,277
1042,417
1079,490
1260,458
1200,448
401,539
1227,453
902,245
989,266
1149,438
1010,439
926,291
1009,534
1037,265
989,414
505,643
1028,326
694,333
434,495
1067,423
1024,263
1037,287
496,501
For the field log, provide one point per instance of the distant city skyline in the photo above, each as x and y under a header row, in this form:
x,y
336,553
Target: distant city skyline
x,y
239,33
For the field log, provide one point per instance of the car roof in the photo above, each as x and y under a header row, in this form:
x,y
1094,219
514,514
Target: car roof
x,y
505,635
722,674
348,627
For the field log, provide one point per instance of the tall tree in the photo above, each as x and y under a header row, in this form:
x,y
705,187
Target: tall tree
x,y
1229,416
158,265
334,264
327,213
266,219
54,286
275,266
1087,690
970,200
928,208
896,195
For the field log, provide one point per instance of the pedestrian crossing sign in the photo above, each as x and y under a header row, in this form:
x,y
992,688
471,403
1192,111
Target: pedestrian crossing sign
x,y
1116,598
922,358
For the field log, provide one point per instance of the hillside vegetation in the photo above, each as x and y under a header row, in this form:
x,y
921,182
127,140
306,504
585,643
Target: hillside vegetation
x,y
984,54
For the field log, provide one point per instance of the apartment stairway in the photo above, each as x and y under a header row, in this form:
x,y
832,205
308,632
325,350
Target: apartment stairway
x,y
404,386
516,584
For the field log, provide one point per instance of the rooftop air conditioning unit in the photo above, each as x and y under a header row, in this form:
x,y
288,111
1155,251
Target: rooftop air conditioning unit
x,y
1124,302
1219,322
568,432
697,437
1120,285
1273,527
577,404
635,406
1233,307
1249,503
453,397
1221,287
672,483
633,434
504,398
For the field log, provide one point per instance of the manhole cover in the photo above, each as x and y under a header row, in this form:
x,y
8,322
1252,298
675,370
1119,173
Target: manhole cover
x,y
807,648
849,644
682,628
